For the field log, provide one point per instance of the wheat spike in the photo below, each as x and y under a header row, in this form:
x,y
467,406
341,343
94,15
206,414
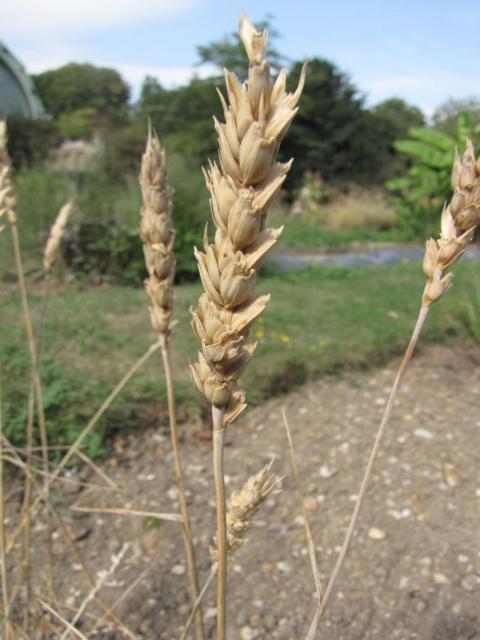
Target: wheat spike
x,y
8,201
157,234
458,223
243,505
242,188
55,237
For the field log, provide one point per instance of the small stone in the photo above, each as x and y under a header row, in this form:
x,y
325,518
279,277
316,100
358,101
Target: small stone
x,y
283,567
423,433
172,493
327,472
178,570
210,613
247,633
439,578
471,582
310,504
376,534
451,476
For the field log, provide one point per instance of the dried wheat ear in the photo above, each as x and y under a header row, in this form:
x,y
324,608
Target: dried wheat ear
x,y
243,505
242,188
157,235
459,220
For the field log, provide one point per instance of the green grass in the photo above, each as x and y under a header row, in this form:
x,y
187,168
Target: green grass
x,y
302,234
320,321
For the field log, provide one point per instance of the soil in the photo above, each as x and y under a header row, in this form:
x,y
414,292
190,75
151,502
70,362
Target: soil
x,y
414,566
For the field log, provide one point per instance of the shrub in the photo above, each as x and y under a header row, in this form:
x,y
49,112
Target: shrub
x,y
31,141
422,191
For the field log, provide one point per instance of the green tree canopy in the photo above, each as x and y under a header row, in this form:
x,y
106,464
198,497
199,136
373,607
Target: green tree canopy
x,y
332,134
393,120
445,116
183,116
81,86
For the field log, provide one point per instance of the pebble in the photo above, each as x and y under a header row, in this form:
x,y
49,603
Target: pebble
x,y
423,433
247,633
471,582
310,504
439,578
327,472
210,613
451,476
376,534
178,570
172,493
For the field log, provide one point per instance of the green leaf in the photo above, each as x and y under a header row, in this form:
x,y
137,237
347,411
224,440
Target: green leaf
x,y
425,153
435,138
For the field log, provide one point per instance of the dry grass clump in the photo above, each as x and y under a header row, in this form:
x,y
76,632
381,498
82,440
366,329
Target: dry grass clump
x,y
57,231
355,208
359,208
249,178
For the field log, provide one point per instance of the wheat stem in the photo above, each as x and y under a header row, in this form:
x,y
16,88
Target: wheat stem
x,y
222,546
198,601
422,316
187,535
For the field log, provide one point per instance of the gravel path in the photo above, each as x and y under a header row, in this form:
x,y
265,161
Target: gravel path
x,y
414,569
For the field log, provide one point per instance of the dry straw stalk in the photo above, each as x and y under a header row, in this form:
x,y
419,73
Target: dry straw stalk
x,y
242,188
158,237
8,208
458,223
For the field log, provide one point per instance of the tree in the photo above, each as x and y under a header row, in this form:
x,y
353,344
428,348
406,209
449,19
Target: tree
x,y
229,53
81,86
332,134
445,116
422,191
183,116
394,118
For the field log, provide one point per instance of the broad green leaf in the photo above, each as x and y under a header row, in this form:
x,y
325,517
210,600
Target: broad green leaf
x,y
433,137
425,153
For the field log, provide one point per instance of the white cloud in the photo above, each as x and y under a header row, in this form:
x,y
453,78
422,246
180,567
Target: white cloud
x,y
40,18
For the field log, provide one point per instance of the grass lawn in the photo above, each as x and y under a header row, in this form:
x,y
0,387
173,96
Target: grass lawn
x,y
320,321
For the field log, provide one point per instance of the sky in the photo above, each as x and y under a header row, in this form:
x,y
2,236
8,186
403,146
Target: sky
x,y
423,51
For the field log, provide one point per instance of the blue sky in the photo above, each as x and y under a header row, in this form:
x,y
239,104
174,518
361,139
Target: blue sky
x,y
424,51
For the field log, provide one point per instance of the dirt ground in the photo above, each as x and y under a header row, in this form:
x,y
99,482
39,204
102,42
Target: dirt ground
x,y
414,567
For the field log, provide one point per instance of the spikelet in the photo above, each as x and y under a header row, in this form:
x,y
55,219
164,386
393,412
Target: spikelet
x,y
157,235
459,221
7,192
242,188
243,506
55,237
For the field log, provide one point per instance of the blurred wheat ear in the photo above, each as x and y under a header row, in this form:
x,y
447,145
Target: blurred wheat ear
x,y
158,237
